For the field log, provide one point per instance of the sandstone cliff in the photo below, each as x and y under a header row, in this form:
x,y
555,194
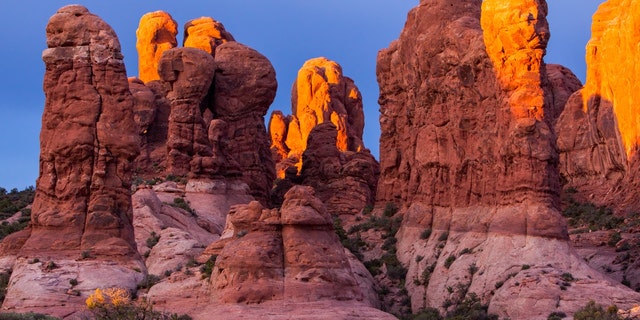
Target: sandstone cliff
x,y
82,206
598,131
468,153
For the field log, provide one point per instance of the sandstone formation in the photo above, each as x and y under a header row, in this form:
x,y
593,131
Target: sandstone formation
x,y
243,107
468,154
344,181
82,202
321,94
156,34
206,34
189,72
598,132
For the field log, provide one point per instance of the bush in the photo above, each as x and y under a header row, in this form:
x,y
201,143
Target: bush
x,y
25,316
425,234
153,239
444,236
471,308
207,268
4,283
614,238
182,204
390,209
149,281
449,261
587,214
593,311
373,266
116,303
556,316
427,314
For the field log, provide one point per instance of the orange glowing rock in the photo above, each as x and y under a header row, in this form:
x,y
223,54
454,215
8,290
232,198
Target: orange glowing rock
x,y
322,94
516,33
156,34
205,33
613,66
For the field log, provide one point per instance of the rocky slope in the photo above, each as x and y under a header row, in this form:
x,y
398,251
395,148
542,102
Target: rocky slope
x,y
468,154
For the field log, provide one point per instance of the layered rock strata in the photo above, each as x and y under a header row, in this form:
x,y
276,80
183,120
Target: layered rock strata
x,y
156,34
468,154
82,206
598,132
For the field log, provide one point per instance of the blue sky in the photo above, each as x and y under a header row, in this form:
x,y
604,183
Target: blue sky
x,y
288,32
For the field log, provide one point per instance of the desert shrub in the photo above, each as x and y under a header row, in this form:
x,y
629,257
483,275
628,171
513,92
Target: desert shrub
x,y
116,303
593,311
153,239
556,315
425,234
354,244
207,268
426,314
395,270
470,308
614,238
25,316
449,261
390,209
4,283
443,236
588,214
373,266
179,202
149,281
473,268
567,277
526,267
465,251
367,209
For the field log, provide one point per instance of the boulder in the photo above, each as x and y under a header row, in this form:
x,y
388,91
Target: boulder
x,y
205,33
156,34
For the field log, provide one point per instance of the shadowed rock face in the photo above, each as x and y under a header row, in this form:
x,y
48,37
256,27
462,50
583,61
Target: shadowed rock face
x,y
189,72
598,132
243,108
88,142
467,151
156,34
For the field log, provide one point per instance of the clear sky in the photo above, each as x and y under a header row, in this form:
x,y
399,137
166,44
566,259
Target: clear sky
x,y
288,32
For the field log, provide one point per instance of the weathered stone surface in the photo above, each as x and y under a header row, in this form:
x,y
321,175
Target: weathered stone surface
x,y
190,73
205,33
467,153
291,255
156,34
598,132
82,202
344,181
278,127
563,83
245,86
321,94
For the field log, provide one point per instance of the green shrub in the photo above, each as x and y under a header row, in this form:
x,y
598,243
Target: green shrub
x,y
390,209
614,238
25,316
471,308
373,266
587,214
149,281
444,236
449,261
426,314
425,234
207,268
593,311
567,277
465,251
153,239
526,267
179,202
4,283
558,315
473,268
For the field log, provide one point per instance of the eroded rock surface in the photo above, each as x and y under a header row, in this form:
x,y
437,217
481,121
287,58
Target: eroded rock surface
x,y
468,154
82,205
598,132
243,109
205,33
156,34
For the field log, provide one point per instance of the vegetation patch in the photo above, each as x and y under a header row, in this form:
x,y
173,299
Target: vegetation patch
x,y
596,311
591,216
207,268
